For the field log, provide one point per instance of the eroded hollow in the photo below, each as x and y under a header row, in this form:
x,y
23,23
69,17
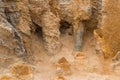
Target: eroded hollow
x,y
66,28
38,31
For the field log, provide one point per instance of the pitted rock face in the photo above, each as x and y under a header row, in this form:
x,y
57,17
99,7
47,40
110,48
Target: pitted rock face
x,y
50,19
75,9
68,10
71,11
37,9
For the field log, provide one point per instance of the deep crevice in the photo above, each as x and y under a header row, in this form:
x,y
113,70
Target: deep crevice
x,y
66,28
38,31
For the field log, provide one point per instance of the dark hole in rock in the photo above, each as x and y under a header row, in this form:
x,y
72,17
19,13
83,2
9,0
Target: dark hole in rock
x,y
65,28
38,31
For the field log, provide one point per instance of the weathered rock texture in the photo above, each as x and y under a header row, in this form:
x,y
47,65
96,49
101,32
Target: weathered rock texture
x,y
27,27
108,34
43,17
55,11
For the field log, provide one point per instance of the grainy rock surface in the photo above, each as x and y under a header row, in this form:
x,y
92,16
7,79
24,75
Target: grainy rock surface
x,y
59,40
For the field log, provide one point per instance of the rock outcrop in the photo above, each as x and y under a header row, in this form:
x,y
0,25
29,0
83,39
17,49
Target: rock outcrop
x,y
60,10
31,28
108,33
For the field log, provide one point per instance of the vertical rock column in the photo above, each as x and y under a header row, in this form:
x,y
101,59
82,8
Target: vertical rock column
x,y
79,37
51,34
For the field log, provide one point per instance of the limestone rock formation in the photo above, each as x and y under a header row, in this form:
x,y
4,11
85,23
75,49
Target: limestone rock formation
x,y
108,34
82,37
60,11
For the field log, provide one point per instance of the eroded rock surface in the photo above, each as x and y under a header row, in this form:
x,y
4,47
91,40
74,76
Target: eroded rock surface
x,y
29,29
